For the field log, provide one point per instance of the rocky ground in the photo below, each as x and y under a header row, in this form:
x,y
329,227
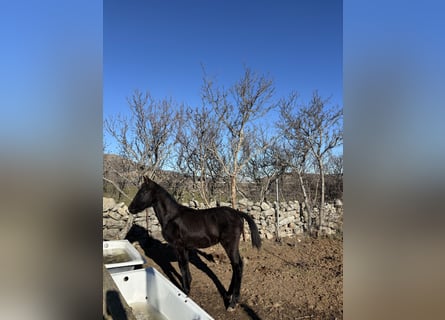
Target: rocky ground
x,y
299,278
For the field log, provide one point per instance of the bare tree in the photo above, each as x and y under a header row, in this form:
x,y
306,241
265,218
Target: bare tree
x,y
265,167
237,109
335,164
317,129
335,169
199,130
145,138
293,155
115,171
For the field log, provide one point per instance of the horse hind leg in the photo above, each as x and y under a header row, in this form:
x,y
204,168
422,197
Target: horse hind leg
x,y
233,293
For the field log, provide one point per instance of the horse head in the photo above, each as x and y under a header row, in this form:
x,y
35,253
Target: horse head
x,y
144,198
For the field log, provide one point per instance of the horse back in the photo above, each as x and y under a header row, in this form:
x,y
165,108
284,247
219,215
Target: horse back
x,y
204,228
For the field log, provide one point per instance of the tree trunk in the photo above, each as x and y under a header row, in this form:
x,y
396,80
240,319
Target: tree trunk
x,y
203,189
233,190
307,216
315,199
277,213
321,210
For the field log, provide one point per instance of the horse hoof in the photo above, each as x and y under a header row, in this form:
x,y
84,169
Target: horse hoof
x,y
231,309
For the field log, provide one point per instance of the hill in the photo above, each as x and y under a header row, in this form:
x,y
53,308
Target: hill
x,y
126,176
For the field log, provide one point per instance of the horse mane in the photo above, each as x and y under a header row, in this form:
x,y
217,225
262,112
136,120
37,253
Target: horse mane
x,y
160,190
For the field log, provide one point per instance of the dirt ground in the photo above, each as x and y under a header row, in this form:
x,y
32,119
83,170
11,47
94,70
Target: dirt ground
x,y
299,278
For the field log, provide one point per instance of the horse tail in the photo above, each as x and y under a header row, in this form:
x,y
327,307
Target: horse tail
x,y
255,235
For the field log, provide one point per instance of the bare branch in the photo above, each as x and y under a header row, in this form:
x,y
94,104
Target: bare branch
x,y
117,187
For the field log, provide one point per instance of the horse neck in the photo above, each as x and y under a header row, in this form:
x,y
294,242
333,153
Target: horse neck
x,y
165,208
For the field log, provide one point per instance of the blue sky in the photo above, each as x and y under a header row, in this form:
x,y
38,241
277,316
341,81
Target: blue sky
x,y
159,46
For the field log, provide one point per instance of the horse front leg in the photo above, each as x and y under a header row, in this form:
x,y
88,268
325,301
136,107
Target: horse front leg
x,y
183,262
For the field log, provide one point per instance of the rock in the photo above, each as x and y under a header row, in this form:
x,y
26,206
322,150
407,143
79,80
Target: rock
x,y
256,215
265,206
110,234
123,211
114,215
332,225
286,221
269,212
245,202
284,234
268,235
212,204
225,204
108,204
141,214
338,203
120,205
193,204
115,224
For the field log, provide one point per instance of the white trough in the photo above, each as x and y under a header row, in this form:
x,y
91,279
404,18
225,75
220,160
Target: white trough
x,y
153,296
120,255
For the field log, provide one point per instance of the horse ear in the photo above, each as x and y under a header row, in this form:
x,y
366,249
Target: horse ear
x,y
146,179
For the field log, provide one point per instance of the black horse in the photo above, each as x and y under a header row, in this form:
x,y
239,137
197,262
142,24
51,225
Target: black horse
x,y
186,229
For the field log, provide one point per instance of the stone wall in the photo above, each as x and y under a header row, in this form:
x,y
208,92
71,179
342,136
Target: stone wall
x,y
117,220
